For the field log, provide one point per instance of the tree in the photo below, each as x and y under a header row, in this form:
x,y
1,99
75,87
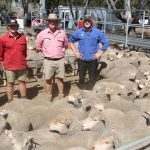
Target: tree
x,y
127,14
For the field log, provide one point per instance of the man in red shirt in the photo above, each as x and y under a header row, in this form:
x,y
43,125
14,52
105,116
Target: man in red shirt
x,y
80,23
13,53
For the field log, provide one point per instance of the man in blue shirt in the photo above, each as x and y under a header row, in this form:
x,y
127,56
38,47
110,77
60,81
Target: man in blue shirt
x,y
88,50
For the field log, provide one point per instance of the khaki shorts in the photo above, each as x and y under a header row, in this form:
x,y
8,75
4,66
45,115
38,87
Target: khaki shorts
x,y
13,75
53,67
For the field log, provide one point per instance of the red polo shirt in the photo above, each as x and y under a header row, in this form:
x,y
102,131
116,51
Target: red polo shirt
x,y
13,52
1,52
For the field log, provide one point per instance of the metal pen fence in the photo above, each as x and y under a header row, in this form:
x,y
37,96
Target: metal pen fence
x,y
116,30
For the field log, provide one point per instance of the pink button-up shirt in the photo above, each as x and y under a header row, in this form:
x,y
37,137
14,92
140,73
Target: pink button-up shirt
x,y
52,45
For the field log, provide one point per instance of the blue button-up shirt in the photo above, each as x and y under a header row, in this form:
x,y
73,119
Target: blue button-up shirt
x,y
88,42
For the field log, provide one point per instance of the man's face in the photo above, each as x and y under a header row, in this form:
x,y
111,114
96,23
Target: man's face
x,y
13,28
52,24
87,23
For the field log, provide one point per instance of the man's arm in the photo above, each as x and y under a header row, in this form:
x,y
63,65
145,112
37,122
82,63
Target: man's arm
x,y
76,53
72,39
104,41
1,50
38,43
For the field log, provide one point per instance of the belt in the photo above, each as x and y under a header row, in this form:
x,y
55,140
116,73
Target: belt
x,y
48,58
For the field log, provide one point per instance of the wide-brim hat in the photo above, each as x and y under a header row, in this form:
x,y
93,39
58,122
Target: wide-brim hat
x,y
52,16
12,22
87,17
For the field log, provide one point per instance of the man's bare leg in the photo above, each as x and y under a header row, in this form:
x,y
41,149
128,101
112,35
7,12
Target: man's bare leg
x,y
49,86
60,85
10,91
22,89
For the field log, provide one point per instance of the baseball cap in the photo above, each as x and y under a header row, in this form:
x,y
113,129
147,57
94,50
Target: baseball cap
x,y
87,17
12,22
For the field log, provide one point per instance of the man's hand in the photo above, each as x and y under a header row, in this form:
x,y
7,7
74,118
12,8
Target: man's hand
x,y
37,50
98,54
1,63
77,55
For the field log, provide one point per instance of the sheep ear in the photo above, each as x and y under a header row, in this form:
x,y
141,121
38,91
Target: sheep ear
x,y
68,121
108,140
29,137
9,133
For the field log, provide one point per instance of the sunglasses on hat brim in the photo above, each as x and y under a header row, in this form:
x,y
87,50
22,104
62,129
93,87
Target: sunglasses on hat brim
x,y
13,25
87,20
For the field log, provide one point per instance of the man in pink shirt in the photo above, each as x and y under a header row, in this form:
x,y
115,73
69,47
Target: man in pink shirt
x,y
52,42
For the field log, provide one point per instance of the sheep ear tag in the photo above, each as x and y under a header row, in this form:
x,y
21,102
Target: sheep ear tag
x,y
9,134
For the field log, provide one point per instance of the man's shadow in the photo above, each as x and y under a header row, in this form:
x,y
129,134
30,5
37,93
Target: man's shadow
x,y
3,99
33,91
67,87
101,65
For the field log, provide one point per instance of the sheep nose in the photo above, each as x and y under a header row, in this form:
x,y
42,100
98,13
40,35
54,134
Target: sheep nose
x,y
93,148
82,126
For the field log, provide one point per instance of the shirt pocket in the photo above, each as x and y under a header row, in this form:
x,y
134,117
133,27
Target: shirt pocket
x,y
46,42
60,41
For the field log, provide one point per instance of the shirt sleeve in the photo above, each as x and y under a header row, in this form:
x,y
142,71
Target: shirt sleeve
x,y
26,47
1,50
65,41
38,42
104,41
74,37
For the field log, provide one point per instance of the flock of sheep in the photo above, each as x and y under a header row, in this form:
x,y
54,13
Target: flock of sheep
x,y
115,113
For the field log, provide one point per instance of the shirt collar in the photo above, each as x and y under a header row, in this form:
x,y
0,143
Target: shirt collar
x,y
10,35
83,29
56,32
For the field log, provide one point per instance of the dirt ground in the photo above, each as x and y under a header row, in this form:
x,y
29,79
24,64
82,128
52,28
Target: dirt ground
x,y
36,89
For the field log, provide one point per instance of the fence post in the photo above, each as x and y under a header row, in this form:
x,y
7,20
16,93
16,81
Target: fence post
x,y
105,21
143,23
127,26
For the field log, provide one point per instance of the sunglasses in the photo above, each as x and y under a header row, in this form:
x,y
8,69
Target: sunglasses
x,y
87,21
13,25
52,21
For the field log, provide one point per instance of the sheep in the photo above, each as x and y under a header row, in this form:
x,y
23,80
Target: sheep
x,y
81,139
65,123
13,118
35,140
106,143
18,105
37,116
143,104
145,92
3,124
20,141
130,126
123,105
126,73
74,100
94,121
5,142
76,148
37,113
109,87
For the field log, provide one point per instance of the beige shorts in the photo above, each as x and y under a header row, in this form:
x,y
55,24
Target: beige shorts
x,y
53,67
13,75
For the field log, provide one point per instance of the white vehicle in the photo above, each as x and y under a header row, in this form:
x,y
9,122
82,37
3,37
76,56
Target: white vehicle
x,y
145,20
